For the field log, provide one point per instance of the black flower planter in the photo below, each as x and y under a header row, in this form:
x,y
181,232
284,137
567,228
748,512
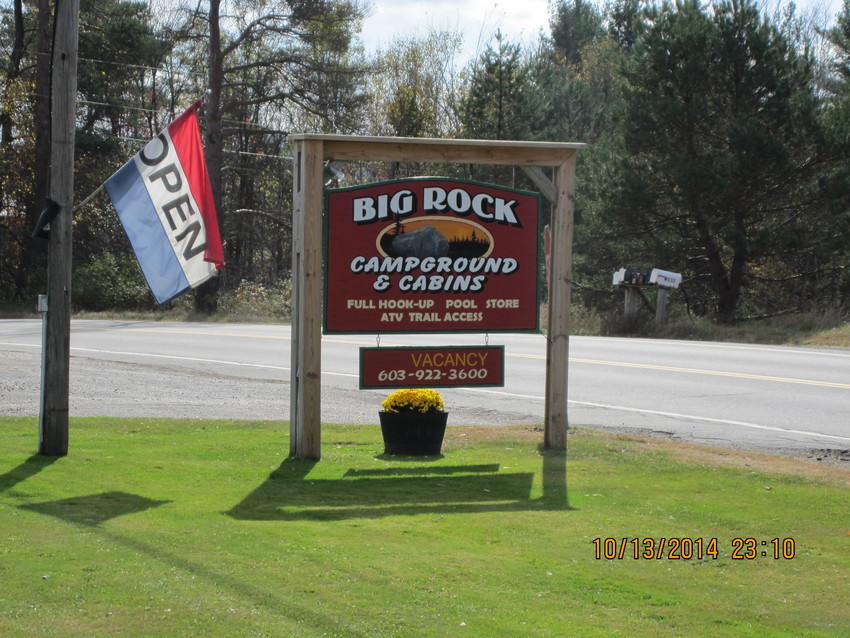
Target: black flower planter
x,y
413,433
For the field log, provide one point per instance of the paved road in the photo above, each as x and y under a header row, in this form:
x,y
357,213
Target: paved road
x,y
774,398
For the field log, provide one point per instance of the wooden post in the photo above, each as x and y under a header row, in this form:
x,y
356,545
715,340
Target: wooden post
x,y
661,306
53,416
306,374
558,337
630,302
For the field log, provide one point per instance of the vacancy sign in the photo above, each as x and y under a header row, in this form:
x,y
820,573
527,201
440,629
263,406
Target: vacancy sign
x,y
431,255
428,367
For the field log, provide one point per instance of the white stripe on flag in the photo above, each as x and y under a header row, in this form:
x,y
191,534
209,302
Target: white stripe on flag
x,y
178,212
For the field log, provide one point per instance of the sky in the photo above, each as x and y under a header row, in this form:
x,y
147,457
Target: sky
x,y
478,20
519,20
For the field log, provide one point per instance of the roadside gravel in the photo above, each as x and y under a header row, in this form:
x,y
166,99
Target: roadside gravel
x,y
109,388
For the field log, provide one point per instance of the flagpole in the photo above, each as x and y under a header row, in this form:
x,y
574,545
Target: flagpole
x,y
89,198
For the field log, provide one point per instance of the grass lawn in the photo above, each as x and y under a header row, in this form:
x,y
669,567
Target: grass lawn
x,y
205,528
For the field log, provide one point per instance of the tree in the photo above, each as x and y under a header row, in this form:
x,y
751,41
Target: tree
x,y
575,25
624,22
24,142
290,49
839,37
121,53
415,86
116,41
119,109
499,103
838,125
412,93
724,150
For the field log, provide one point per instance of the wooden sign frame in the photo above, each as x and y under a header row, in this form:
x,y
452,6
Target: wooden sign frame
x,y
312,150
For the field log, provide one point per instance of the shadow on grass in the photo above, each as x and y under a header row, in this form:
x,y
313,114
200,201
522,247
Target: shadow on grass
x,y
288,495
95,508
84,510
29,468
409,486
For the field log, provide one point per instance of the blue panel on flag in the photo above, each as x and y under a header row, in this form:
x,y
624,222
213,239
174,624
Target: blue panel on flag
x,y
150,243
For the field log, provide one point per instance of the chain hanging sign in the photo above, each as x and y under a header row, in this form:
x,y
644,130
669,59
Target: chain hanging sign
x,y
431,255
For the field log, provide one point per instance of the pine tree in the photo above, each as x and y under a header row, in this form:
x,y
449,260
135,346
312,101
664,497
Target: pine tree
x,y
723,149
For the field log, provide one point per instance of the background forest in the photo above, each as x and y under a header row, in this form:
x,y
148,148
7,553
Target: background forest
x,y
718,133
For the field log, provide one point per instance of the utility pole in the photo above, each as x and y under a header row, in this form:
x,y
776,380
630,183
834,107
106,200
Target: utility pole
x,y
55,374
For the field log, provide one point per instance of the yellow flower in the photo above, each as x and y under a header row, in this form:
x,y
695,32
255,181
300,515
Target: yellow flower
x,y
413,400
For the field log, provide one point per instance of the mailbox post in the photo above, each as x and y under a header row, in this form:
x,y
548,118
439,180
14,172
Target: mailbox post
x,y
632,281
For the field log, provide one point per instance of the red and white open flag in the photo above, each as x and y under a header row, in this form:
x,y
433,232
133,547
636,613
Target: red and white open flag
x,y
164,201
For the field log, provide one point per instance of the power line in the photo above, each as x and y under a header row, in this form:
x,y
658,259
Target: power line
x,y
262,128
156,111
121,64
